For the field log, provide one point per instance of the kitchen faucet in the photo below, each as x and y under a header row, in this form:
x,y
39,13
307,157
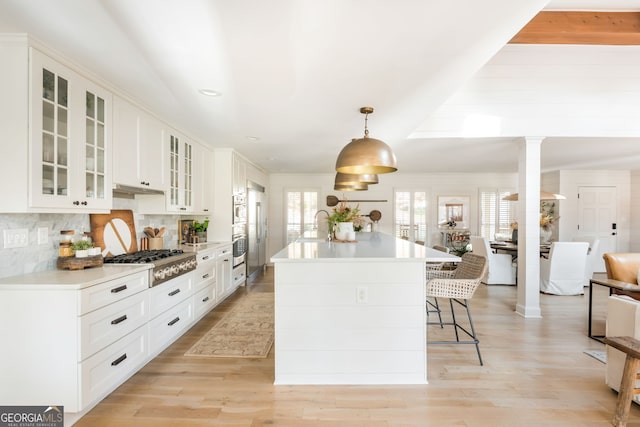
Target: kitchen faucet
x,y
315,225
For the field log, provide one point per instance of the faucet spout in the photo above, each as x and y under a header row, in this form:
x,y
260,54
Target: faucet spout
x,y
315,225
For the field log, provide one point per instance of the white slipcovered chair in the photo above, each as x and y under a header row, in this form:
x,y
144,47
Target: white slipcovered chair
x,y
563,272
623,320
501,269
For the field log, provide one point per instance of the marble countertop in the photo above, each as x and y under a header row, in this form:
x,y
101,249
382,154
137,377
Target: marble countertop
x,y
72,279
374,246
199,247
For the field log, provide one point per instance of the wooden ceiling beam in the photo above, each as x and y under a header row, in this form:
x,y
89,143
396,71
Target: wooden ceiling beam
x,y
594,28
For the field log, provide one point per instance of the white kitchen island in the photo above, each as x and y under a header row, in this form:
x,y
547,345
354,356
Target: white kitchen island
x,y
352,313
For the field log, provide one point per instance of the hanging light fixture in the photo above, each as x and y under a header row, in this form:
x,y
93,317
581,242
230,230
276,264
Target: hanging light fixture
x,y
351,187
348,179
366,155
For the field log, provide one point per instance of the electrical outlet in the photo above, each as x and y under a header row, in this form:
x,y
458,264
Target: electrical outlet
x,y
43,235
362,295
16,238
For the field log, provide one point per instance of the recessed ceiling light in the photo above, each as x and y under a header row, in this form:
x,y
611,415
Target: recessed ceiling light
x,y
252,138
210,92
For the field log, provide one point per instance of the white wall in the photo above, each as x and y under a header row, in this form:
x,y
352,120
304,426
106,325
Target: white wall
x,y
435,184
634,207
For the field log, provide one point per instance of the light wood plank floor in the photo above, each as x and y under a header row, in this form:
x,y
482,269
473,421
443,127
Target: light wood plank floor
x,y
535,374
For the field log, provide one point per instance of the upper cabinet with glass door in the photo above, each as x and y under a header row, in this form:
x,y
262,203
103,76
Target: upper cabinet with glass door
x,y
70,139
180,192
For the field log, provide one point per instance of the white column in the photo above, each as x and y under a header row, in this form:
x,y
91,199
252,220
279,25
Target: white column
x,y
528,302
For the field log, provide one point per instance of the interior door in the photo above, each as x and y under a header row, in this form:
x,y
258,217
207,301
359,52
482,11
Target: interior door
x,y
597,219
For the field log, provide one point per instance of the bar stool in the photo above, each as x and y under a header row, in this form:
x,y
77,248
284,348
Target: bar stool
x,y
631,347
458,286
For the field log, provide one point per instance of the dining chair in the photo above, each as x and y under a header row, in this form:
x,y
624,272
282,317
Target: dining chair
x,y
594,248
501,269
563,272
458,286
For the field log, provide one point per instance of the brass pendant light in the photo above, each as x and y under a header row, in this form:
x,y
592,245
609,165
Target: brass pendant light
x,y
366,155
351,187
348,178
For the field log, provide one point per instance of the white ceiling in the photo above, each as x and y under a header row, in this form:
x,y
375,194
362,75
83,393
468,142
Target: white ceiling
x,y
294,74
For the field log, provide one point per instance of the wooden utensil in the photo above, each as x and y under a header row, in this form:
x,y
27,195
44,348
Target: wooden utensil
x,y
149,232
375,215
333,201
160,231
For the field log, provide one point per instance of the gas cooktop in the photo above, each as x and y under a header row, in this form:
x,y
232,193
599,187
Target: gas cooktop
x,y
143,257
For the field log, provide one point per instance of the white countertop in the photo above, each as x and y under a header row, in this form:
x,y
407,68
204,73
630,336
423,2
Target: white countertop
x,y
199,247
373,246
72,279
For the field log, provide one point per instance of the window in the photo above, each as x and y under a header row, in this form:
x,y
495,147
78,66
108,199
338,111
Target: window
x,y
410,215
496,215
301,209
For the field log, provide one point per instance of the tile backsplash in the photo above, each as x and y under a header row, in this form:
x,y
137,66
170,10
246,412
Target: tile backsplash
x,y
35,257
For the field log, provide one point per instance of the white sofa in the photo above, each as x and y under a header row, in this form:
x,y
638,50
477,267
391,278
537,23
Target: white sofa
x,y
623,319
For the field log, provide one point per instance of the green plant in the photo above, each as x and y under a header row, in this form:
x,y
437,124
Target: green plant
x,y
200,227
344,213
81,245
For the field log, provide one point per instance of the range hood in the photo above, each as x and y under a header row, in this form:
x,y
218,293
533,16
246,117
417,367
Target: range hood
x,y
128,191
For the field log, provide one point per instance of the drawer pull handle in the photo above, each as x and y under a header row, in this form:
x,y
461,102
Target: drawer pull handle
x,y
205,276
173,322
119,319
206,299
176,292
204,258
118,289
118,360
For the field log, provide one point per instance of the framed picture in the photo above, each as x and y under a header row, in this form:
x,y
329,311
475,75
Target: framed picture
x,y
453,209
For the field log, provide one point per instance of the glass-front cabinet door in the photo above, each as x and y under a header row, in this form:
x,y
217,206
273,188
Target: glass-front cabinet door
x,y
180,197
70,141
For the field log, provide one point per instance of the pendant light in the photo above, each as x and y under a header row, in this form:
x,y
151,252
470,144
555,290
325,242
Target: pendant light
x,y
366,155
348,179
351,187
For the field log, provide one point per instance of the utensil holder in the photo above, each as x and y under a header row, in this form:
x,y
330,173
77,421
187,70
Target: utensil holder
x,y
155,243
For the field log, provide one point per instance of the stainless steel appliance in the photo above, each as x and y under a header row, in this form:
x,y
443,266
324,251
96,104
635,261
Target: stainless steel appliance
x,y
256,229
239,239
167,263
239,209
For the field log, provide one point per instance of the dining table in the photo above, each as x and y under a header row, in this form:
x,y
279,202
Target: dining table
x,y
512,248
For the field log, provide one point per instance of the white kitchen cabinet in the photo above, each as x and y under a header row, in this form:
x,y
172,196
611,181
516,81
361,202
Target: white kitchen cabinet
x,y
180,189
70,138
138,144
203,187
72,344
58,123
224,266
204,298
171,311
239,175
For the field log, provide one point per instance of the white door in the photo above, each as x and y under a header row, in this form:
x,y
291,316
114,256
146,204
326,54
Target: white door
x,y
597,219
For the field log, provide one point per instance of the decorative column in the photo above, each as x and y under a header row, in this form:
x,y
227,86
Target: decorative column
x,y
528,302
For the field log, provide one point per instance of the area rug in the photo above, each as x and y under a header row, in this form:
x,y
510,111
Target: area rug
x,y
246,331
600,355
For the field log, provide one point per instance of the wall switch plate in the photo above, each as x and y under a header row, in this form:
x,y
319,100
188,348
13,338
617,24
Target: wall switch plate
x,y
16,238
43,235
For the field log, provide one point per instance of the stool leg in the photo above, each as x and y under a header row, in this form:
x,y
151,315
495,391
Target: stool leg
x,y
627,386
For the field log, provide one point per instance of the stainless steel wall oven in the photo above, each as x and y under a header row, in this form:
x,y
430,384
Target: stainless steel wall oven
x,y
240,244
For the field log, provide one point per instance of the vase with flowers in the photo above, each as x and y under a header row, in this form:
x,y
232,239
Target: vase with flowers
x,y
341,221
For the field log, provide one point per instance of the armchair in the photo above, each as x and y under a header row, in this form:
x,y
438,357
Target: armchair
x,y
623,267
563,272
623,319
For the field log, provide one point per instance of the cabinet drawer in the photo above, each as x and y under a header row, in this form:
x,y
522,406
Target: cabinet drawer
x,y
103,372
223,251
104,326
206,256
204,276
109,292
239,275
169,294
164,329
204,300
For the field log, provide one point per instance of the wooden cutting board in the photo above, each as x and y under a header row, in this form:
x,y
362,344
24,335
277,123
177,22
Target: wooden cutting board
x,y
115,232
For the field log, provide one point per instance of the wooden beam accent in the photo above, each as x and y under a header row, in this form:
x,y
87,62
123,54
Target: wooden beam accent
x,y
594,28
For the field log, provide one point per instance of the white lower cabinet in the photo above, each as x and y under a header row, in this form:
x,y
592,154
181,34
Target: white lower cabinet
x,y
204,297
224,265
167,327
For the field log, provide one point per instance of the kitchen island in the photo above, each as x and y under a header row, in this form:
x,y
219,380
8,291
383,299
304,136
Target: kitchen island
x,y
352,313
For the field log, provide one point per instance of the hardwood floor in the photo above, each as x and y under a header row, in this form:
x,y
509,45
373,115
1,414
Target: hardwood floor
x,y
535,374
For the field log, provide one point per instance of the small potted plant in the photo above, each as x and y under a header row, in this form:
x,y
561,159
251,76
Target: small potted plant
x,y
200,229
81,248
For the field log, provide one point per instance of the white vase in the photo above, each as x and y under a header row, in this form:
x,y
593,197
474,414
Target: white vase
x,y
343,230
545,235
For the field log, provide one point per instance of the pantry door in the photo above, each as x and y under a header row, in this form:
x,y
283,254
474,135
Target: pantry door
x,y
597,219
